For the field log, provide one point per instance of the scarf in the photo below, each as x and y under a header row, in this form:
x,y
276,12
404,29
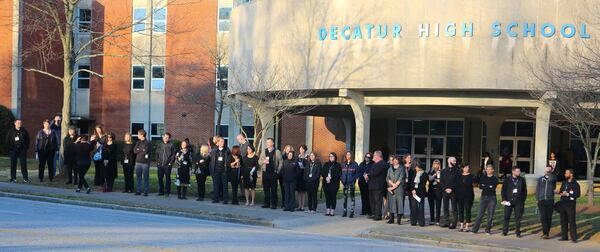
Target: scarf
x,y
418,177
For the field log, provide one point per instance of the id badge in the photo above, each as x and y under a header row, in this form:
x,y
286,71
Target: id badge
x,y
185,162
17,138
310,175
416,186
220,159
491,186
571,192
202,161
515,190
146,156
126,161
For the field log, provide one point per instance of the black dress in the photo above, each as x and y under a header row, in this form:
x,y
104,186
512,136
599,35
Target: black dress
x,y
248,176
302,163
184,163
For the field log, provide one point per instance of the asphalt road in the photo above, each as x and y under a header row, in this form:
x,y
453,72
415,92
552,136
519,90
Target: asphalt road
x,y
40,226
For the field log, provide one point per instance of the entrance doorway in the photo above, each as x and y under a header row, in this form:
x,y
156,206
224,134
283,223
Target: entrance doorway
x,y
516,143
426,149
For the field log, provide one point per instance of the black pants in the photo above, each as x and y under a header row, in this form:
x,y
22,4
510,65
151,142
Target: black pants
x,y
45,159
486,203
220,186
546,208
434,197
450,207
567,220
99,173
270,188
376,199
349,191
290,194
82,169
164,171
128,176
312,187
331,190
70,170
518,207
280,178
407,196
417,211
234,179
364,198
465,204
21,156
201,181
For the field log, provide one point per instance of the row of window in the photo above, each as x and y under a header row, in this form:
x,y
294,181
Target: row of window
x,y
159,20
224,133
156,129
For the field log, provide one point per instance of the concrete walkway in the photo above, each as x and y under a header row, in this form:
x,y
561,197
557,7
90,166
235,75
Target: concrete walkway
x,y
319,224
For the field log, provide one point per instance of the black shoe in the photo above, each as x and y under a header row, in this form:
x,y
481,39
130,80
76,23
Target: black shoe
x,y
344,214
378,218
145,194
225,202
391,220
563,239
273,207
574,241
137,194
265,206
351,215
184,198
88,190
215,201
504,234
452,227
235,203
199,199
68,182
400,220
519,236
77,190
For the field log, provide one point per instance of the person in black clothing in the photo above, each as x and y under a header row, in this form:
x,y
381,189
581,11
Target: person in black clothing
x,y
416,186
545,199
110,162
201,162
300,186
271,162
377,185
235,165
434,194
46,146
165,157
82,151
514,194
487,160
17,139
364,168
142,151
183,159
128,163
219,168
407,163
487,183
69,156
330,174
98,139
311,178
465,197
289,172
250,174
449,179
569,192
285,151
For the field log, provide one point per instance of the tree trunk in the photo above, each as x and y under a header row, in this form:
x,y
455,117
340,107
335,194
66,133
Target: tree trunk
x,y
590,180
66,117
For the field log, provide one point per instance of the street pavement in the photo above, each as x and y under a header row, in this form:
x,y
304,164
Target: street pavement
x,y
40,226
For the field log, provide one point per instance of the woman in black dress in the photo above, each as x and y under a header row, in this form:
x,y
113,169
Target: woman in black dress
x,y
69,156
110,161
128,162
201,170
331,174
98,140
465,197
83,150
183,162
249,174
300,186
235,164
311,179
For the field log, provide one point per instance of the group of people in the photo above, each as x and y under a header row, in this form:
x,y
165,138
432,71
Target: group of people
x,y
384,187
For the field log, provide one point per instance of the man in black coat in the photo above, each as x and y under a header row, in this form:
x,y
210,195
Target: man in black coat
x,y
377,184
365,168
449,179
569,192
18,143
165,158
514,194
219,168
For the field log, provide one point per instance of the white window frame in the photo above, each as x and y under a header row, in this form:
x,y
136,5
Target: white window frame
x,y
219,20
138,78
135,134
152,79
77,77
159,133
226,138
159,22
79,22
141,21
226,79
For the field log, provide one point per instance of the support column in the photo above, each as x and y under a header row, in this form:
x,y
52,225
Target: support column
x,y
493,125
348,131
362,119
16,59
267,117
310,121
542,126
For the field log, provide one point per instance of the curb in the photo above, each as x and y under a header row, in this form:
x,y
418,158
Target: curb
x,y
115,206
437,242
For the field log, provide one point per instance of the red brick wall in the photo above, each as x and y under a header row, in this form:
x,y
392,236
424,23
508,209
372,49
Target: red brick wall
x,y
293,131
328,136
192,29
5,52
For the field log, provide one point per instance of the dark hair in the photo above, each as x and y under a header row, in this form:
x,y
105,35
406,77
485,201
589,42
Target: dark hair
x,y
351,156
72,127
111,135
270,138
334,156
515,167
46,121
235,150
416,163
293,155
142,132
252,148
186,139
463,165
570,170
486,154
492,165
167,134
370,154
84,137
303,146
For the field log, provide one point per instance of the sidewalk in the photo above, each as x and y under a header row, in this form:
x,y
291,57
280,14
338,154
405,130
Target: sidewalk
x,y
359,226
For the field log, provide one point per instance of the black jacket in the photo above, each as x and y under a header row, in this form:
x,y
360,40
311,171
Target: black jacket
x,y
377,176
488,185
69,149
316,170
508,187
142,151
572,188
336,173
128,155
449,178
290,170
464,190
363,168
83,153
201,164
214,154
545,188
52,142
420,188
20,143
165,154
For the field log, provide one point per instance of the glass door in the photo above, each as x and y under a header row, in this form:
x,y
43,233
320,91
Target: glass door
x,y
518,150
421,148
426,149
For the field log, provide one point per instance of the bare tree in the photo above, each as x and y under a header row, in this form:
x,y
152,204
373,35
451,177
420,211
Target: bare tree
x,y
569,84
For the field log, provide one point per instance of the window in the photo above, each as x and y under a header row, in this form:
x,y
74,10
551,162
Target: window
x,y
139,16
222,75
224,19
138,76
85,20
83,77
223,132
517,128
249,131
159,20
156,131
135,126
158,78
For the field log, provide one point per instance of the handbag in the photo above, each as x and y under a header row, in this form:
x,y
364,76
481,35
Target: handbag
x,y
98,154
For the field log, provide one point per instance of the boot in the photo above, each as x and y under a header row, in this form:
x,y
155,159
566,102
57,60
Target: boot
x,y
179,192
345,213
351,214
400,219
391,220
183,196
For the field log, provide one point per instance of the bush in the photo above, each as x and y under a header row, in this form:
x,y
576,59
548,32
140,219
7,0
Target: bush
x,y
7,120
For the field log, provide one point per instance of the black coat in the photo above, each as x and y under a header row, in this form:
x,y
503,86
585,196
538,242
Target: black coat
x,y
420,188
23,139
214,154
449,178
336,173
69,150
128,155
201,164
290,171
316,171
377,176
509,185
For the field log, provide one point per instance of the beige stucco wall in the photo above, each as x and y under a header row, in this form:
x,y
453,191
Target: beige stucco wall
x,y
285,33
